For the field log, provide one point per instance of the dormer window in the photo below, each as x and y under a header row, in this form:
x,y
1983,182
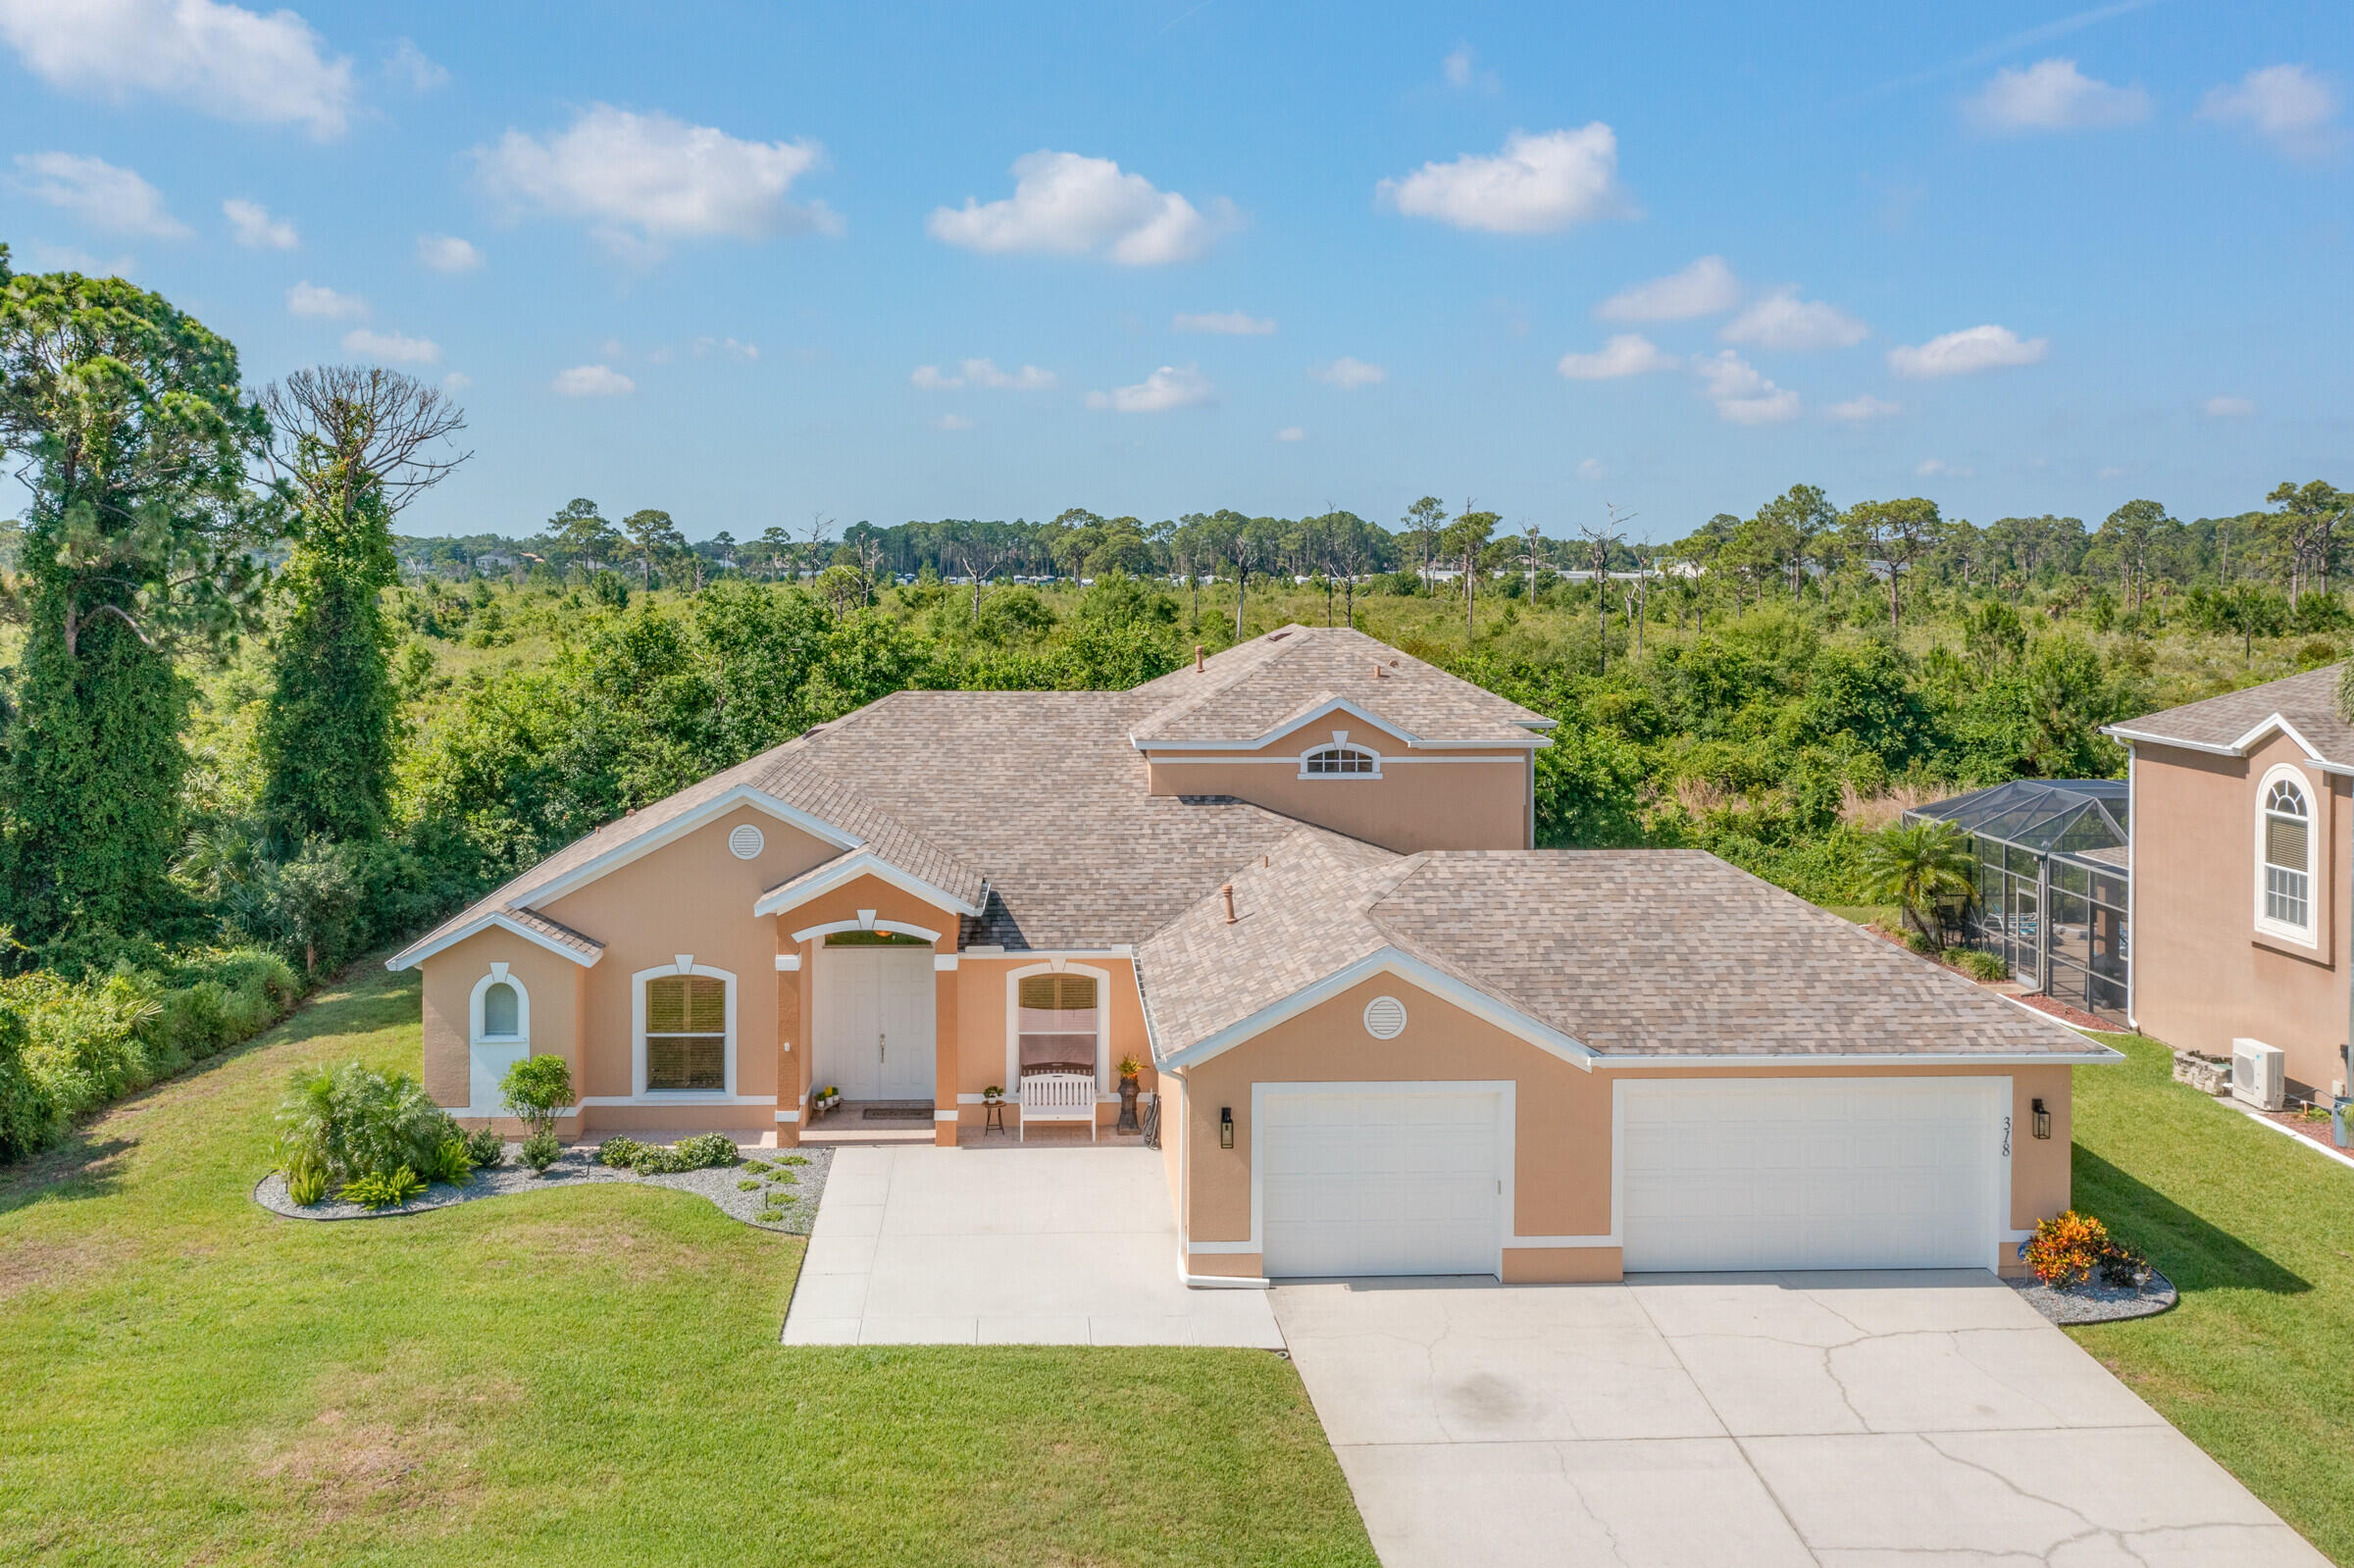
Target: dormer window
x,y
1339,761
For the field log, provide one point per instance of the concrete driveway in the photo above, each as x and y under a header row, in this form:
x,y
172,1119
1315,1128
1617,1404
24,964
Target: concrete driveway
x,y
1021,1244
1754,1419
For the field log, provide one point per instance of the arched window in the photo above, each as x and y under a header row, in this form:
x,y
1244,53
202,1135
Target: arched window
x,y
502,1012
1340,762
2286,835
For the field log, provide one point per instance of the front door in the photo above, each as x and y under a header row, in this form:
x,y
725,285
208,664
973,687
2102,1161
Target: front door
x,y
875,1020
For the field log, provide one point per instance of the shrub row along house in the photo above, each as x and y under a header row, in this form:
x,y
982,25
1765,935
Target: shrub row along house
x,y
1296,882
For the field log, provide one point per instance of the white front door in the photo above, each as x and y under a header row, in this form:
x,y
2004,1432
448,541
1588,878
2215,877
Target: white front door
x,y
1382,1179
1826,1173
875,1021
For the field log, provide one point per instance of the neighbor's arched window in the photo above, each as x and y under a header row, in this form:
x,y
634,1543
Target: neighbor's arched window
x,y
1333,762
2287,837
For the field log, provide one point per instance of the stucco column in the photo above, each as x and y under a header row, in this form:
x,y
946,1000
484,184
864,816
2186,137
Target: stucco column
x,y
943,1050
792,1052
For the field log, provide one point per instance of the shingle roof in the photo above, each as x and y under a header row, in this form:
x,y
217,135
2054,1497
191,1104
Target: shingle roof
x,y
2308,701
1632,953
1256,687
562,936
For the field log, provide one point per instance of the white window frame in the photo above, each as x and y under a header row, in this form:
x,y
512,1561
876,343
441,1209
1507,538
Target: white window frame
x,y
1013,1018
683,964
499,975
1340,741
2309,933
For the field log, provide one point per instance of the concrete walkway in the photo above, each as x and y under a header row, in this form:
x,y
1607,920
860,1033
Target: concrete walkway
x,y
1803,1419
1007,1246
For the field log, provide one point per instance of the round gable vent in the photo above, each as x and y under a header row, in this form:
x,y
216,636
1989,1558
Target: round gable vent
x,y
1385,1018
746,842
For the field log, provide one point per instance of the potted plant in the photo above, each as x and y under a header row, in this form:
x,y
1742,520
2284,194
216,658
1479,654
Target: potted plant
x,y
993,1094
1130,1067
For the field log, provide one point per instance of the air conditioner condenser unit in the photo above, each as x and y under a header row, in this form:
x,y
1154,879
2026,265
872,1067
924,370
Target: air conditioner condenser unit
x,y
2259,1074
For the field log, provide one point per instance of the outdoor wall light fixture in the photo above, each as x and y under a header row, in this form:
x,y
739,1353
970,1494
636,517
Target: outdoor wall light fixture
x,y
2042,1118
1225,1127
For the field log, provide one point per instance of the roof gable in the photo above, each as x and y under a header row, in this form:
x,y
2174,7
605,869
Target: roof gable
x,y
2303,707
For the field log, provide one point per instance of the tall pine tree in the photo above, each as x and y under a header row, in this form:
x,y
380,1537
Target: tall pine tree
x,y
352,448
132,431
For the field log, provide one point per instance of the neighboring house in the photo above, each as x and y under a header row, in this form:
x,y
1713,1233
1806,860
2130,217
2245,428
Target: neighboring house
x,y
2241,874
1297,881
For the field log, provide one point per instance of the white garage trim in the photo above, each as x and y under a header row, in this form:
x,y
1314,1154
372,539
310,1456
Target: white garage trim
x,y
1989,1096
1507,1116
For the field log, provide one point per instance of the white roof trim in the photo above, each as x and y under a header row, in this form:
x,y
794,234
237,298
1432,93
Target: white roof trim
x,y
1387,961
687,822
2235,749
889,928
1345,705
865,863
2094,1055
410,958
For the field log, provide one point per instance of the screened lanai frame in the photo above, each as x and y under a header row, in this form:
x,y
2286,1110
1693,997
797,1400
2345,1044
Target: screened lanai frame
x,y
2050,893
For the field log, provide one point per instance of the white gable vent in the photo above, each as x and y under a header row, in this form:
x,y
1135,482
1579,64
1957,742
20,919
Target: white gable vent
x,y
1385,1018
746,842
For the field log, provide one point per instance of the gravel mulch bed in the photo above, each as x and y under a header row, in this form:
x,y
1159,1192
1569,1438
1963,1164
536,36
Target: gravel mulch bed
x,y
743,1191
2095,1303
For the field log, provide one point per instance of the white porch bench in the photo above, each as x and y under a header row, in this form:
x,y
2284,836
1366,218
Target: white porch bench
x,y
1058,1098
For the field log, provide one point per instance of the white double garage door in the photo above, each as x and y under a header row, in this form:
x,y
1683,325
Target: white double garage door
x,y
1710,1174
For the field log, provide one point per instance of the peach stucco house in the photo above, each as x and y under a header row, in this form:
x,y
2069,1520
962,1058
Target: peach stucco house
x,y
2243,870
1382,1032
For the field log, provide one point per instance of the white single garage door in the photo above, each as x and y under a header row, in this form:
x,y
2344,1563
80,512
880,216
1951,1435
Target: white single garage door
x,y
1842,1173
1380,1180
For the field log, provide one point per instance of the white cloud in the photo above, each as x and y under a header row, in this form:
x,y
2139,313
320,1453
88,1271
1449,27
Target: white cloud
x,y
2054,95
1704,288
982,373
1170,386
1291,432
1067,204
447,253
1741,394
2287,104
1350,374
953,422
391,345
221,59
1934,468
2229,408
48,258
1784,321
1867,407
1462,70
414,69
456,382
1590,469
731,347
593,380
307,298
256,229
1228,323
1625,354
1536,185
1972,349
98,194
639,180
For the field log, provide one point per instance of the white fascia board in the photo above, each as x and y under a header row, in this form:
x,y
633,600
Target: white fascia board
x,y
2238,748
865,863
1413,971
1339,705
685,823
411,957
2118,732
2096,1056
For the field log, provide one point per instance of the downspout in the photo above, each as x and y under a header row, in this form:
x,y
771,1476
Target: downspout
x,y
2133,884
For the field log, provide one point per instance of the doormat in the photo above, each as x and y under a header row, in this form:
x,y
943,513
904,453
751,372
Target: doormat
x,y
897,1113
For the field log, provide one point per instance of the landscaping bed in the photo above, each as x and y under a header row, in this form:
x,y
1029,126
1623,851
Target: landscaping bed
x,y
756,1191
2096,1302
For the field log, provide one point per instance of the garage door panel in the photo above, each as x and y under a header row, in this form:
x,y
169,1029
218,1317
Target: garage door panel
x,y
1856,1173
1357,1182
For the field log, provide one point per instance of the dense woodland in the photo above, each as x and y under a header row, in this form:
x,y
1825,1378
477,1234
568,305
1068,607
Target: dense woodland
x,y
249,730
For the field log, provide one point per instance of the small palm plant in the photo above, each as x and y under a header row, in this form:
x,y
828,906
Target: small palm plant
x,y
1914,865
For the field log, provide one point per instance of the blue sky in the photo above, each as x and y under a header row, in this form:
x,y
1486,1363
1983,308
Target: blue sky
x,y
754,263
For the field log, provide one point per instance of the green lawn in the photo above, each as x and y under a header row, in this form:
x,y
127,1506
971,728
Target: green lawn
x,y
580,1377
2257,1364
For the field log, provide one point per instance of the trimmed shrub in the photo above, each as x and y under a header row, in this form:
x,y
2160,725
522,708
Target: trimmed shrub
x,y
1979,965
536,1090
541,1150
2065,1249
622,1152
705,1149
486,1149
